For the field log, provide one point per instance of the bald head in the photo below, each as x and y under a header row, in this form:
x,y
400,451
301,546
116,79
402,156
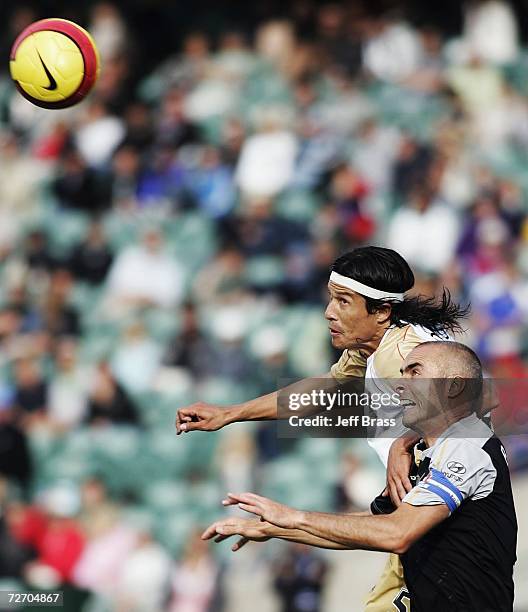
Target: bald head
x,y
452,359
443,384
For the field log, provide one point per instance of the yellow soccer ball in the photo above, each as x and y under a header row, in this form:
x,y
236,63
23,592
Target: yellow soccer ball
x,y
54,63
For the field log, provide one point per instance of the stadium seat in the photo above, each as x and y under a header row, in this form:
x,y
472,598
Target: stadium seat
x,y
297,204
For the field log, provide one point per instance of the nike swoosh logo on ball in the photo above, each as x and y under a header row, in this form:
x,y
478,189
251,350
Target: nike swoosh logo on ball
x,y
53,82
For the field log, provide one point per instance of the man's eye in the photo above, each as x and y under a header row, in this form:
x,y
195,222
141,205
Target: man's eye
x,y
415,372
343,301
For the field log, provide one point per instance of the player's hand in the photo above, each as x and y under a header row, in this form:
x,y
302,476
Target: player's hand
x,y
398,467
251,530
269,510
200,417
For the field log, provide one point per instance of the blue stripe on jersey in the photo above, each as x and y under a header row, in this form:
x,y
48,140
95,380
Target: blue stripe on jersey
x,y
442,494
442,479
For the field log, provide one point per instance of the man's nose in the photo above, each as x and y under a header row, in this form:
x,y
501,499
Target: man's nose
x,y
329,314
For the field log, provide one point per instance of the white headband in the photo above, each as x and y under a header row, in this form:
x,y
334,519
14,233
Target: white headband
x,y
365,290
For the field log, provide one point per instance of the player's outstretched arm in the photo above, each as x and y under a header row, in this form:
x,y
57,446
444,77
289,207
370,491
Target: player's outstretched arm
x,y
255,530
210,417
394,532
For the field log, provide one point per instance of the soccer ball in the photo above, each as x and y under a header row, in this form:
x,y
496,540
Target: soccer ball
x,y
54,63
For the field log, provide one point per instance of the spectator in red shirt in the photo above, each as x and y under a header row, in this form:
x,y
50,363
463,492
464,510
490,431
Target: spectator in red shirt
x,y
61,543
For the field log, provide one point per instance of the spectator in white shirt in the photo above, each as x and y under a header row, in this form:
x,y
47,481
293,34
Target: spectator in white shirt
x,y
100,135
145,275
266,163
425,232
392,51
490,31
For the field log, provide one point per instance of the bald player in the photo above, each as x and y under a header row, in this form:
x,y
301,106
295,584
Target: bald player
x,y
456,530
375,325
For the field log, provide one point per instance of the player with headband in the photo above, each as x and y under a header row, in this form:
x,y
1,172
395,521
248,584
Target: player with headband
x,y
376,326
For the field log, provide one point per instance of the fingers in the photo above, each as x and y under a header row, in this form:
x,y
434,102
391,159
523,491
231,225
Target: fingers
x,y
177,424
245,502
401,483
251,508
209,532
238,545
194,417
221,538
392,489
192,426
398,474
398,489
183,416
393,492
406,484
236,498
251,502
401,490
249,498
220,531
180,422
253,497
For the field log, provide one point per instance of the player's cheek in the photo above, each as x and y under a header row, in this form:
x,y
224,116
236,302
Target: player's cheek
x,y
350,320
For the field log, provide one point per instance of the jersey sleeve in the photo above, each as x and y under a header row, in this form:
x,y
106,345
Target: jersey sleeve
x,y
459,470
396,345
350,364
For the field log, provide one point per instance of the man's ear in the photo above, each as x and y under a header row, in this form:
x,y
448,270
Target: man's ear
x,y
383,313
455,387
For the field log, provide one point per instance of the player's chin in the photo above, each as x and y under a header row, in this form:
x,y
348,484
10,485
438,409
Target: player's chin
x,y
410,417
338,341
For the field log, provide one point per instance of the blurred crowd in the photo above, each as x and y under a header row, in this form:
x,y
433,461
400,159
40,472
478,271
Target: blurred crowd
x,y
169,239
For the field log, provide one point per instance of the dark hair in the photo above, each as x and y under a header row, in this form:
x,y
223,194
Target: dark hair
x,y
386,270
